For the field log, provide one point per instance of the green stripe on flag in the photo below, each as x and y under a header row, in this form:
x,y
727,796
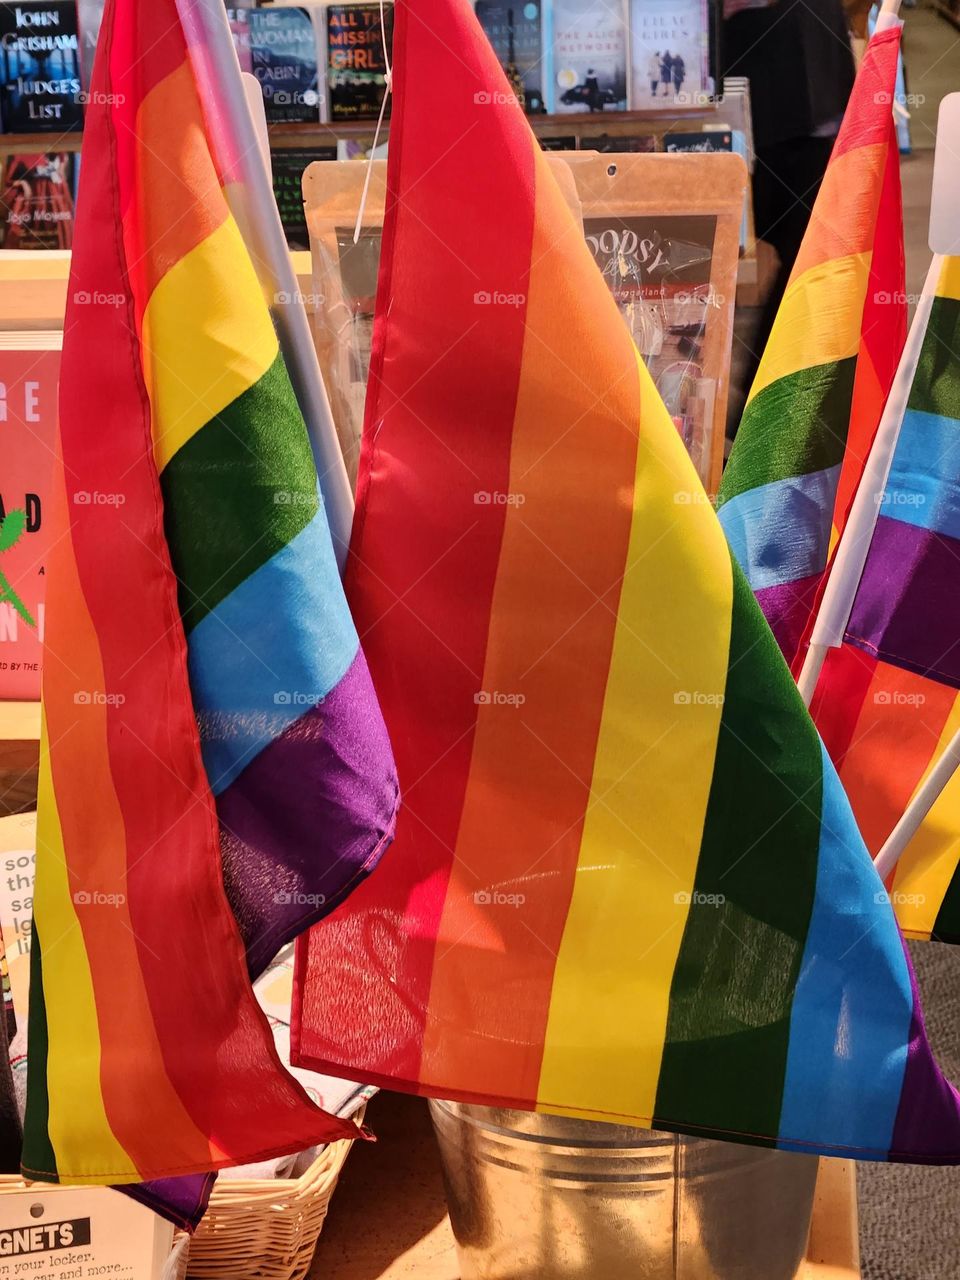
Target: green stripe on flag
x,y
946,927
39,1159
936,388
728,1027
794,427
237,492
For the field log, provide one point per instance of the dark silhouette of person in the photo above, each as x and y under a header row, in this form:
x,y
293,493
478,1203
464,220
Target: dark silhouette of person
x,y
679,70
666,70
797,56
592,86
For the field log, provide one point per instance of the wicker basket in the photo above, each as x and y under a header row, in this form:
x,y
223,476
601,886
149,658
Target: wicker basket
x,y
259,1228
267,1228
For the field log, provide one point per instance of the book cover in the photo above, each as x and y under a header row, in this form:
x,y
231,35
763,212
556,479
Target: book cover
x,y
710,140
669,54
37,200
516,33
28,422
89,18
288,167
356,66
283,57
239,20
589,56
40,67
659,270
606,142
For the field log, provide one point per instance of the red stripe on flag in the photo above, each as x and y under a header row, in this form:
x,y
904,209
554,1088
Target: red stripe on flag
x,y
435,545
217,1045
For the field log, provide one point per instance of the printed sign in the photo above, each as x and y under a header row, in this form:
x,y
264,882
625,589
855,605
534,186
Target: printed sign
x,y
64,1233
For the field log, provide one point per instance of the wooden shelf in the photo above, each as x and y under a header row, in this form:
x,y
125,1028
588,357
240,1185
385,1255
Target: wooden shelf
x,y
295,135
31,143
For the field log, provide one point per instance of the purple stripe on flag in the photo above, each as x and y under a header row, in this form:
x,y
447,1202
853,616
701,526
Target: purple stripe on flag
x,y
907,609
787,607
309,817
181,1200
926,1126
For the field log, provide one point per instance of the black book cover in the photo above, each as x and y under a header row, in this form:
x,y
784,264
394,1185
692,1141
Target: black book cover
x,y
40,67
288,167
283,57
516,33
356,67
710,140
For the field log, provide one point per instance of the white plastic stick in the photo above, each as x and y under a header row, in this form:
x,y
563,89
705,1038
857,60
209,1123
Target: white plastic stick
x,y
250,195
888,15
841,588
918,808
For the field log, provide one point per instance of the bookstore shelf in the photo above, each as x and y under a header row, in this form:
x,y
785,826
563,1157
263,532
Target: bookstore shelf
x,y
295,134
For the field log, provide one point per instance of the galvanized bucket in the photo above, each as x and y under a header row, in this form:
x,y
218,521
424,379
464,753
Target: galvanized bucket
x,y
536,1197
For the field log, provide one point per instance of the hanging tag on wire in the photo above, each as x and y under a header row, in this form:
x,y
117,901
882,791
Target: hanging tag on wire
x,y
387,86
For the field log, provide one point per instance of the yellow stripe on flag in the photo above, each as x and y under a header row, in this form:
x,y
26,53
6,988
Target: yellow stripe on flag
x,y
948,286
819,320
926,868
643,830
200,358
79,1131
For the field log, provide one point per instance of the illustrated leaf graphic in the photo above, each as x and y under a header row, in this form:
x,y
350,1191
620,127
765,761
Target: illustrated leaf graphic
x,y
11,530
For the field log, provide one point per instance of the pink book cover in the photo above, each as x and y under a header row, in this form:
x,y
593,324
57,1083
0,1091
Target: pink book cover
x,y
28,422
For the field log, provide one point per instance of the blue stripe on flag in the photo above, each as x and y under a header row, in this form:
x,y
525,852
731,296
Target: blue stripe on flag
x,y
924,484
848,1033
269,652
799,511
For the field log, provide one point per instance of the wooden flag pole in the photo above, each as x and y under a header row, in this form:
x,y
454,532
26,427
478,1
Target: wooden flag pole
x,y
250,194
918,808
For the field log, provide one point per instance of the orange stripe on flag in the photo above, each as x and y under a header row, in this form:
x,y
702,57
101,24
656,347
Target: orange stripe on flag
x,y
554,609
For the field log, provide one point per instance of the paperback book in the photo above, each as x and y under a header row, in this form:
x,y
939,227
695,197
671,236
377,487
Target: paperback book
x,y
589,56
356,64
288,167
89,18
516,33
29,372
705,141
669,54
37,201
40,67
659,271
283,57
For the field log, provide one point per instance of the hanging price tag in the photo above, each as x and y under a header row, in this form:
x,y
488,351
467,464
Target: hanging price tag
x,y
67,1233
945,197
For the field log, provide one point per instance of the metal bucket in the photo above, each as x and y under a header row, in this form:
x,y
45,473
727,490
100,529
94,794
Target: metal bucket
x,y
536,1196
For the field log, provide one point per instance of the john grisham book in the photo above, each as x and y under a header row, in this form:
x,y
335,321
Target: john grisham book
x,y
283,57
40,67
589,56
356,67
516,33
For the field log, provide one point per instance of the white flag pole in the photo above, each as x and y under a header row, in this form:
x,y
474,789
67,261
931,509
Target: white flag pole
x,y
841,588
250,195
918,808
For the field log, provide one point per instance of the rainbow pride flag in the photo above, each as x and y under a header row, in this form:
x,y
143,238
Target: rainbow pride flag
x,y
626,882
209,717
815,404
887,702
